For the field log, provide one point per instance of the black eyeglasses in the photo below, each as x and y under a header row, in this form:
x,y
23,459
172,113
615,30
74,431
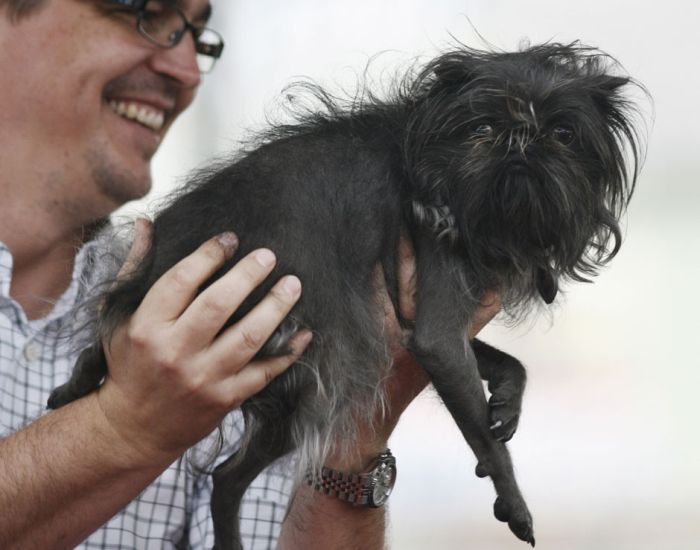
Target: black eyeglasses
x,y
164,25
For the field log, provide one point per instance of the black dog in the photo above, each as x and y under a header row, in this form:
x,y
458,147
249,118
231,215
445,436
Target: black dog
x,y
507,170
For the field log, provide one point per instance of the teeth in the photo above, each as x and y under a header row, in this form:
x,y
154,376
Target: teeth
x,y
147,116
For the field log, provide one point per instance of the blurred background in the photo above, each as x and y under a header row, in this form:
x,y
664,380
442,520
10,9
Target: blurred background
x,y
608,453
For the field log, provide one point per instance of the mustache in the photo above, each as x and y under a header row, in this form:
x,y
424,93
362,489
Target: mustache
x,y
144,82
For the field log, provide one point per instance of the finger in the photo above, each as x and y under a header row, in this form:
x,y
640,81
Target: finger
x,y
407,278
207,314
143,233
239,343
174,291
255,375
487,310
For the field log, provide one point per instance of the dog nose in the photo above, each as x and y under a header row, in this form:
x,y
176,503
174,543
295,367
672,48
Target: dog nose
x,y
517,160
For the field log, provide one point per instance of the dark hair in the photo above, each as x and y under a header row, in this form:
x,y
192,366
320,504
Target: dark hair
x,y
16,9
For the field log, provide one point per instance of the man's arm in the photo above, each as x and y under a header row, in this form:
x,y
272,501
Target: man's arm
x,y
65,475
318,522
171,381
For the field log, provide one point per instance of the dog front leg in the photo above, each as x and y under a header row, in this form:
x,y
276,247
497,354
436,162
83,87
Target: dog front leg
x,y
89,370
440,346
506,379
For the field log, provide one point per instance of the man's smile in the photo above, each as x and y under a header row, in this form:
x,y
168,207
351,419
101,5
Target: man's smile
x,y
147,115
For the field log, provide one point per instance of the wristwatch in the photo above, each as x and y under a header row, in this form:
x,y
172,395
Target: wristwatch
x,y
370,489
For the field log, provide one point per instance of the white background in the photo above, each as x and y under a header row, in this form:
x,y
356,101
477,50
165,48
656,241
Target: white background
x,y
607,453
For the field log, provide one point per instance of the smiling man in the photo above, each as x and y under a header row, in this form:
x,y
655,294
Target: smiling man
x,y
89,90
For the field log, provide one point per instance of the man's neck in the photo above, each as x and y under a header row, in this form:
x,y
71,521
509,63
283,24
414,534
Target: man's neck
x,y
43,223
42,263
37,286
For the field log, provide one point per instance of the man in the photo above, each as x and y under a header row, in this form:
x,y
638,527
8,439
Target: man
x,y
87,97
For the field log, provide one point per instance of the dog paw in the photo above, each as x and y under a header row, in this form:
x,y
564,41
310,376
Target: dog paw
x,y
504,414
517,516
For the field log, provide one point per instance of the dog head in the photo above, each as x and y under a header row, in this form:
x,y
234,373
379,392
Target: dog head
x,y
524,161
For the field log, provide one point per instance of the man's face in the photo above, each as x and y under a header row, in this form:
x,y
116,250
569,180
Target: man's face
x,y
87,99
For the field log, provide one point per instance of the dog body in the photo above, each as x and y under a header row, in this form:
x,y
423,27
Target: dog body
x,y
506,170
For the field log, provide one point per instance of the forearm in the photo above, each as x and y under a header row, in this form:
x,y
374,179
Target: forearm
x,y
65,475
318,522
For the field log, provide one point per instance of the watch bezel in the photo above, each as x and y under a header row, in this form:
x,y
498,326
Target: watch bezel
x,y
386,462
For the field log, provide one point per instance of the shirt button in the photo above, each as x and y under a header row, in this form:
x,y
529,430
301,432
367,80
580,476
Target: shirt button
x,y
32,351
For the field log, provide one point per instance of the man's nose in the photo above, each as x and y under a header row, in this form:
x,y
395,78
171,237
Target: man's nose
x,y
179,63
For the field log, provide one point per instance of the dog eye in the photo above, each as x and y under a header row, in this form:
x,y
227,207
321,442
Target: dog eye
x,y
563,134
482,130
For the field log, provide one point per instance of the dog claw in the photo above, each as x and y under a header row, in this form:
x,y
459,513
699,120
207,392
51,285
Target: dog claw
x,y
504,416
519,521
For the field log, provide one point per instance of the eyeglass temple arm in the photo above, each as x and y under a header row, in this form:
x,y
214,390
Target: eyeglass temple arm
x,y
132,4
212,50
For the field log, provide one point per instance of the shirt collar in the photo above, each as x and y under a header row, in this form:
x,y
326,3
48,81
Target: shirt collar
x,y
80,279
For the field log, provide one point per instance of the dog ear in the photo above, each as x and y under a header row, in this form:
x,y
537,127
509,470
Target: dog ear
x,y
611,83
605,89
547,284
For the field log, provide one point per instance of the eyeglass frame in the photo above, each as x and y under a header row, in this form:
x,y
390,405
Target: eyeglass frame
x,y
210,50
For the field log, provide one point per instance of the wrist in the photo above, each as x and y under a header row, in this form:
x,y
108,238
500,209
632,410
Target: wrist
x,y
359,454
129,450
367,489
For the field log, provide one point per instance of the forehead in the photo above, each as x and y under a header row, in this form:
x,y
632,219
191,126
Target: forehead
x,y
526,92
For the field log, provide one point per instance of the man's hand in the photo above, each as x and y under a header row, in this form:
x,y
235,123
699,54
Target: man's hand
x,y
317,522
172,376
407,379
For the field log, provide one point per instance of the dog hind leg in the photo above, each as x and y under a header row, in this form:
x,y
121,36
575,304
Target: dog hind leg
x,y
269,440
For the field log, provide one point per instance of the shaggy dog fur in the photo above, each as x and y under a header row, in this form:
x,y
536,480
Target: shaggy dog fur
x,y
508,170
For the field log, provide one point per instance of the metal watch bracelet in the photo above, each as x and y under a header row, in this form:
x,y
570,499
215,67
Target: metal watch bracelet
x,y
370,489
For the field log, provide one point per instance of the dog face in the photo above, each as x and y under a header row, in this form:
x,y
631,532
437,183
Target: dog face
x,y
525,155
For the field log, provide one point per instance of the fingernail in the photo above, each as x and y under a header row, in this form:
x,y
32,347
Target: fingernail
x,y
292,285
229,241
303,338
265,257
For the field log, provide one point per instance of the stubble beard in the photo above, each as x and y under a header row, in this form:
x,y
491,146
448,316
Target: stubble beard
x,y
116,183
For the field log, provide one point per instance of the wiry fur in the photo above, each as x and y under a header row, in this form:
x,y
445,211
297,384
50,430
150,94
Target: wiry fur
x,y
471,155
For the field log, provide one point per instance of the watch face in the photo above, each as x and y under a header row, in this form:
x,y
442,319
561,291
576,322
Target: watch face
x,y
385,476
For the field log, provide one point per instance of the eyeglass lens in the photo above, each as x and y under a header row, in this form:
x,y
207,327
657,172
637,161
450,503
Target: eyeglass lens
x,y
165,25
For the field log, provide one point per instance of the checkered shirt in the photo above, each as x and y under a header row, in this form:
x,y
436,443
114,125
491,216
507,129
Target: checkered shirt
x,y
173,512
